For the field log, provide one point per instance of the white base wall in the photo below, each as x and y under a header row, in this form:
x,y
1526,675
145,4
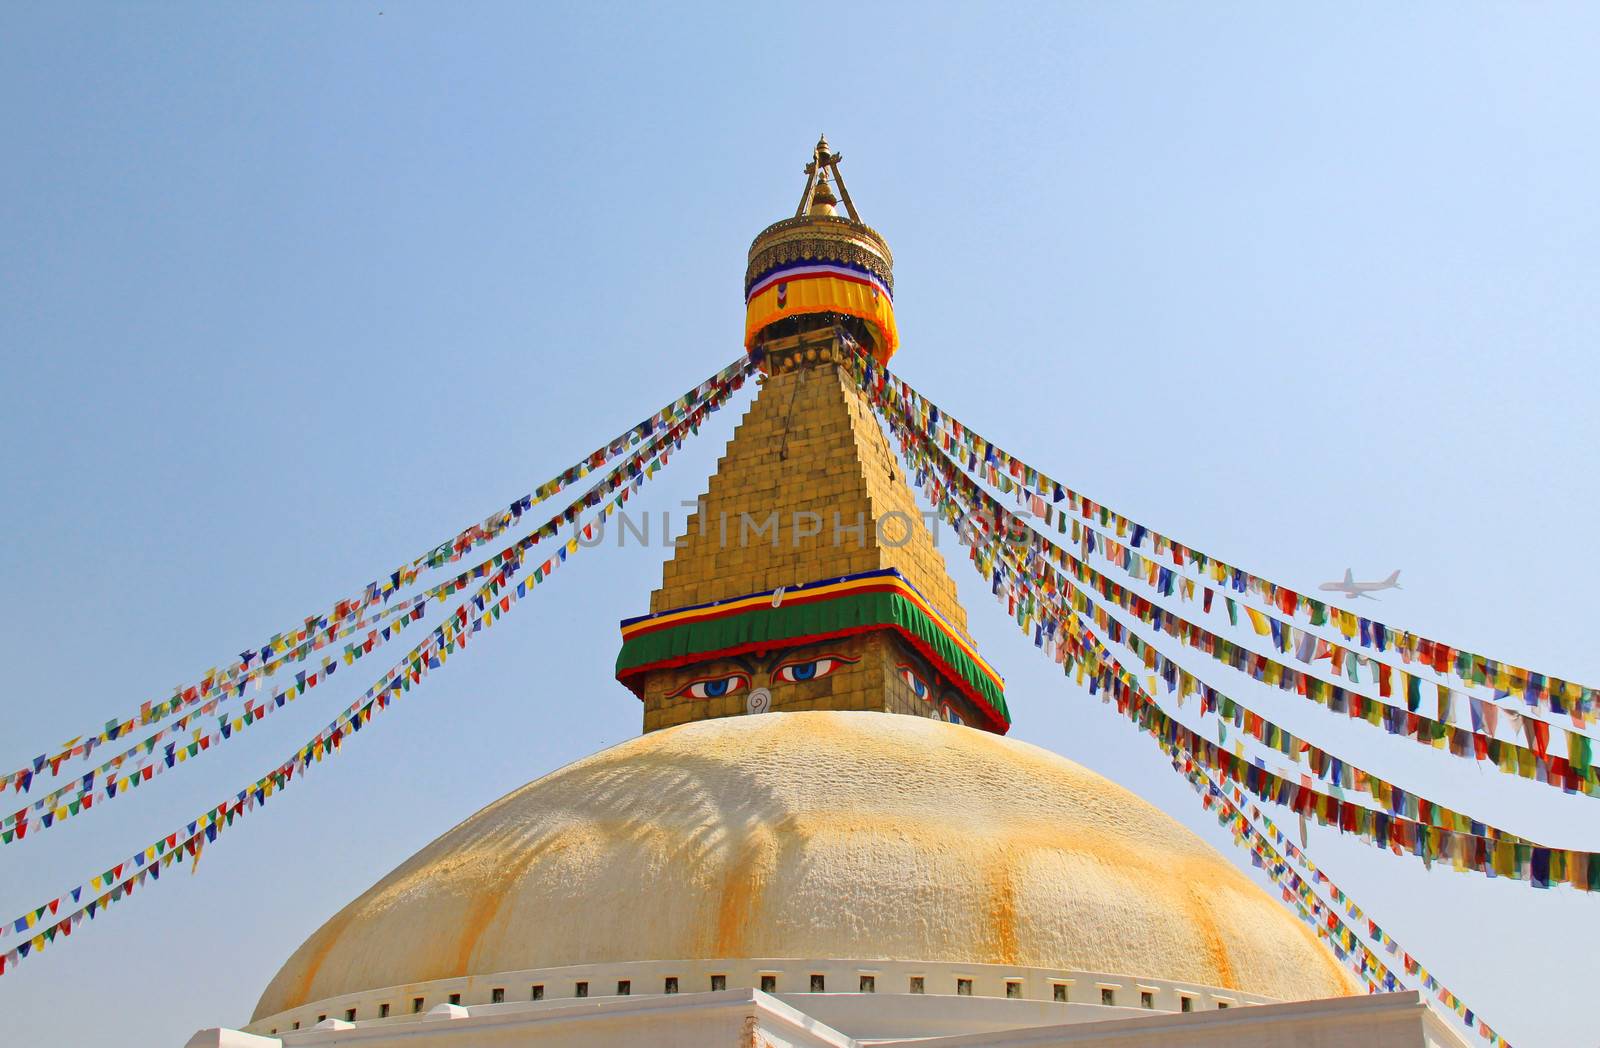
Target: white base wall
x,y
788,976
745,1018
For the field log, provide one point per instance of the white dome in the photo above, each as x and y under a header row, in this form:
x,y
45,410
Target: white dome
x,y
820,834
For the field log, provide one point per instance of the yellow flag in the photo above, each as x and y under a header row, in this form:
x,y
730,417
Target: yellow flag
x,y
1259,621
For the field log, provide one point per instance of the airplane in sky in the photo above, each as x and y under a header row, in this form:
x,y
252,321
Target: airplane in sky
x,y
1353,589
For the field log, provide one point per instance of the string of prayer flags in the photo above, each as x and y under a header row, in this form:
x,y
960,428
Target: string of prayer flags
x,y
1356,913
1339,771
1541,691
1294,890
492,600
669,416
1414,824
1467,843
1231,804
304,637
115,776
1079,650
1373,973
1509,857
94,788
120,880
1306,646
1346,945
1573,772
1339,936
1062,598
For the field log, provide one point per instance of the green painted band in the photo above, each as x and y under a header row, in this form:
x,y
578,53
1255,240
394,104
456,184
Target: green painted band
x,y
847,614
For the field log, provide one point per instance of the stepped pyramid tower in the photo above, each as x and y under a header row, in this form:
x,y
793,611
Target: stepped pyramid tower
x,y
822,837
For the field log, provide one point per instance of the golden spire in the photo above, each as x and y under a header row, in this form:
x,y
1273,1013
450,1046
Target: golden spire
x,y
809,270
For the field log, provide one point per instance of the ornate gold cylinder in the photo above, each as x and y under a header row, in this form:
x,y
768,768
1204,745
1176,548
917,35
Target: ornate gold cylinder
x,y
817,271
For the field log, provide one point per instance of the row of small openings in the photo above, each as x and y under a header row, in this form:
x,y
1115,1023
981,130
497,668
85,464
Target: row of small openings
x,y
769,984
1147,998
1108,994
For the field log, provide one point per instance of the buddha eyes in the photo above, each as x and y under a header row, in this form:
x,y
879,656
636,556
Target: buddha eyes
x,y
918,685
713,687
809,669
788,673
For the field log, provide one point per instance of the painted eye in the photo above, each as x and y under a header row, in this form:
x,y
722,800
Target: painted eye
x,y
713,687
918,686
951,715
810,669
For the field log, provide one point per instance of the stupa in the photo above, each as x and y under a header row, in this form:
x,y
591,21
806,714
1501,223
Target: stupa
x,y
822,836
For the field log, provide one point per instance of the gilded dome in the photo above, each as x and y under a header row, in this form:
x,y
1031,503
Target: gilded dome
x,y
816,834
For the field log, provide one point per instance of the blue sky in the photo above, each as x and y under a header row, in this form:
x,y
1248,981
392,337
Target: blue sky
x,y
287,294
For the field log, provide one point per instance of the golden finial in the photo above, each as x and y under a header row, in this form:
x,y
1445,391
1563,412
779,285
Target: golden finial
x,y
818,198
